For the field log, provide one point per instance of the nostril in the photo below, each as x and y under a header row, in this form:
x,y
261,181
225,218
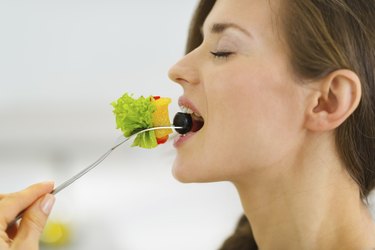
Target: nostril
x,y
177,73
181,81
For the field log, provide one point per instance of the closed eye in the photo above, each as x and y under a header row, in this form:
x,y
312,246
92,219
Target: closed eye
x,y
221,54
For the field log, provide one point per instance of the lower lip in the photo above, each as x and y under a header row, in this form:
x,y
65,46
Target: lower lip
x,y
181,139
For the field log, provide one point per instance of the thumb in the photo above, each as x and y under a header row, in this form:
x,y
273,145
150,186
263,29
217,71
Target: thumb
x,y
33,222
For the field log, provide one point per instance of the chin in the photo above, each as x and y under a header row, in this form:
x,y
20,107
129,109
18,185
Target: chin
x,y
183,173
193,173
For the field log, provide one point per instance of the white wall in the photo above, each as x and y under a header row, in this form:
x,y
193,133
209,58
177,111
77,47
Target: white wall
x,y
61,64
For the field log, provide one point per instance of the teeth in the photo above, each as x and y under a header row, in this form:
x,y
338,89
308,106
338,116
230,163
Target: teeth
x,y
186,110
197,115
189,111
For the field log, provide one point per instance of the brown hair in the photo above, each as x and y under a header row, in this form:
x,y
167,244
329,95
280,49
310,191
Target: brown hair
x,y
340,34
323,36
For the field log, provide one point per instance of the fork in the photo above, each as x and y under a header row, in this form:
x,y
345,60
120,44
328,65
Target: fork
x,y
94,164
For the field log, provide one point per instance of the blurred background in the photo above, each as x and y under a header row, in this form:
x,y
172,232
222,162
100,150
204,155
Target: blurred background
x,y
61,65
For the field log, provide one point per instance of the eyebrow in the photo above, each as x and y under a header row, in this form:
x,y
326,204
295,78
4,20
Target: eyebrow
x,y
218,28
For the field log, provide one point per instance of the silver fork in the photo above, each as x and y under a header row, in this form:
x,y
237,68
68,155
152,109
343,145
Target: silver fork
x,y
94,164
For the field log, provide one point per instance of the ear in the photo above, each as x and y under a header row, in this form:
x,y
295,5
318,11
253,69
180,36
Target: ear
x,y
336,98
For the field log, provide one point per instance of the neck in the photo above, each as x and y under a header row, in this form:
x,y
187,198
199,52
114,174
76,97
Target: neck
x,y
306,204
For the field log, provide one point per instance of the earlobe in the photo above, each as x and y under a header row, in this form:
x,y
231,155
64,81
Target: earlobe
x,y
337,96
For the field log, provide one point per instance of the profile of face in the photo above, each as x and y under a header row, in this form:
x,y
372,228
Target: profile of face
x,y
240,81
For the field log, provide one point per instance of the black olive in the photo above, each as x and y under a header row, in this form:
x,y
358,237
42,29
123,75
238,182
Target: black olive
x,y
183,120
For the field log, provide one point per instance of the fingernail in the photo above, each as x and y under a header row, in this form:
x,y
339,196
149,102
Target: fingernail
x,y
47,203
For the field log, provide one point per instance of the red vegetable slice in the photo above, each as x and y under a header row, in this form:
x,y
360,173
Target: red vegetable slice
x,y
162,139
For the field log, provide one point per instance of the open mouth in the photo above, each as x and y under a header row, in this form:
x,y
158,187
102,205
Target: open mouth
x,y
197,119
198,122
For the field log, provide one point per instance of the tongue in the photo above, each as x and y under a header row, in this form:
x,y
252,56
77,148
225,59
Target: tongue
x,y
197,123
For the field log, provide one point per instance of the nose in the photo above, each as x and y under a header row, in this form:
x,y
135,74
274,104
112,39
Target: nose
x,y
185,71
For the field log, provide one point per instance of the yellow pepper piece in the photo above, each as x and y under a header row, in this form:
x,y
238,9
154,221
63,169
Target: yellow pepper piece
x,y
160,117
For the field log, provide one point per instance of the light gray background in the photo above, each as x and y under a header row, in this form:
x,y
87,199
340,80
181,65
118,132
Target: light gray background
x,y
61,65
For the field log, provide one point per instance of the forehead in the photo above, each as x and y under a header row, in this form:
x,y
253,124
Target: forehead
x,y
256,16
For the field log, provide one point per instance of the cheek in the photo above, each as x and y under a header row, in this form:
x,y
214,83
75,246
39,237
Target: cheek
x,y
240,102
250,123
254,114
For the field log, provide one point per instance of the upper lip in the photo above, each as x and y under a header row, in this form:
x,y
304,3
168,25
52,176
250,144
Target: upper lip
x,y
184,101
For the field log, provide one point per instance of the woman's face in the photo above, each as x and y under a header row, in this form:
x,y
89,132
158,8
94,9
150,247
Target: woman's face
x,y
239,80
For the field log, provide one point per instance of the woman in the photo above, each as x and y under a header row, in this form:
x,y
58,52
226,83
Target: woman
x,y
285,90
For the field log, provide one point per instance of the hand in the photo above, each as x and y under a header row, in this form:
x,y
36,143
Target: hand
x,y
36,202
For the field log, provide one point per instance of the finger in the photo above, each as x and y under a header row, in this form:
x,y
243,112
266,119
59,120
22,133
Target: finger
x,y
33,222
11,205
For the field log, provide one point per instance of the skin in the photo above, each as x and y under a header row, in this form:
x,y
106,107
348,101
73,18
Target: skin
x,y
250,91
36,202
270,134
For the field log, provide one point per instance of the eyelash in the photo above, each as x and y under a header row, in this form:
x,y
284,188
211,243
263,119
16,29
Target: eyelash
x,y
221,54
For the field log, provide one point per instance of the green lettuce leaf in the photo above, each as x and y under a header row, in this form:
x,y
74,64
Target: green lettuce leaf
x,y
134,115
